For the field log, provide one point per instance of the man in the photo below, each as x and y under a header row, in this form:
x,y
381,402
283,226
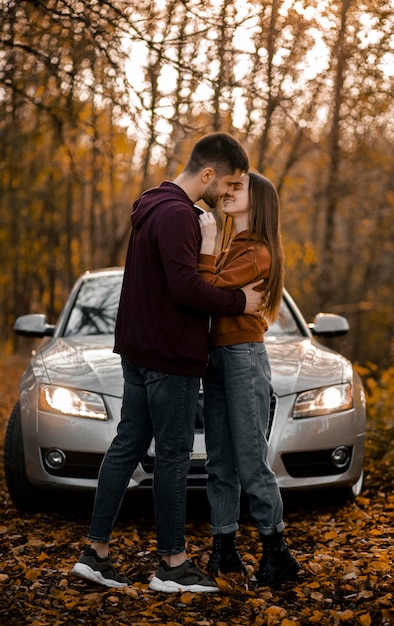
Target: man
x,y
162,337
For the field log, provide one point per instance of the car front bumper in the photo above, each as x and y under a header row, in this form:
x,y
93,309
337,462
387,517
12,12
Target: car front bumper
x,y
300,451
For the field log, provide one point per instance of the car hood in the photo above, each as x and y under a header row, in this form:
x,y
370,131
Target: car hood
x,y
301,364
89,363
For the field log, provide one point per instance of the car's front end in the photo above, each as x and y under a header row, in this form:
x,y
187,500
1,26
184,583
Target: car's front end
x,y
71,394
70,407
318,434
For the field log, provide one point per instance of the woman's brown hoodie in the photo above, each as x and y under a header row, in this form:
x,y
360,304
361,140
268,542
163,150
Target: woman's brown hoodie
x,y
244,262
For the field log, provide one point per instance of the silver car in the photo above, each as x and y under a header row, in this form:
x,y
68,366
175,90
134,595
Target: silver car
x,y
71,394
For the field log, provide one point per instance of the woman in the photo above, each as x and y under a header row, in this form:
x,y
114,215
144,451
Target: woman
x,y
237,385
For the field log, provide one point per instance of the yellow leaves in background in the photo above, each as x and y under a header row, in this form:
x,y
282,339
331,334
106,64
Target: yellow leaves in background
x,y
304,252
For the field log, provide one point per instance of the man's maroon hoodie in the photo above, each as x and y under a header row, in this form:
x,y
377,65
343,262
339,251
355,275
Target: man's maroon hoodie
x,y
164,308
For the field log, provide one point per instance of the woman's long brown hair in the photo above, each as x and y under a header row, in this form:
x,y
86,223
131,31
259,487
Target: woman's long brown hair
x,y
264,224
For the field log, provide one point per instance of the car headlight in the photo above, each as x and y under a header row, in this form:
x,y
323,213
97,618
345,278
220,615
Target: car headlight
x,y
73,402
324,401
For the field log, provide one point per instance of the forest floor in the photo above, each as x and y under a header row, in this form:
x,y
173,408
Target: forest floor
x,y
346,553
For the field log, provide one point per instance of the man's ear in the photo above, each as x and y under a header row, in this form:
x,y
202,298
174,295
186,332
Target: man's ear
x,y
208,174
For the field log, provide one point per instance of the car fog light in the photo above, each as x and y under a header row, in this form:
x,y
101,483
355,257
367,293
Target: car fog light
x,y
340,456
55,458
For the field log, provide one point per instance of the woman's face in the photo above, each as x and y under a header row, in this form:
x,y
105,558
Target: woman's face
x,y
219,188
236,201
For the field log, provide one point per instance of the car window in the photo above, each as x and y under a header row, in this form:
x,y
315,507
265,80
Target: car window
x,y
285,323
95,307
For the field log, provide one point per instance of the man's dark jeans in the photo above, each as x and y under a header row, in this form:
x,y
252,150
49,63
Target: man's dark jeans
x,y
162,405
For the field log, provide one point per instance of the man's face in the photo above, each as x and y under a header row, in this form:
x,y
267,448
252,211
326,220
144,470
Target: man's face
x,y
220,187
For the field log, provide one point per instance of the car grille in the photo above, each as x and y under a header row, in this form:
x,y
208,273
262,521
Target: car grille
x,y
197,474
316,463
196,477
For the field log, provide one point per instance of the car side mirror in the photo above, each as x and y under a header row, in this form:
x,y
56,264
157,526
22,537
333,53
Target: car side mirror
x,y
329,325
33,325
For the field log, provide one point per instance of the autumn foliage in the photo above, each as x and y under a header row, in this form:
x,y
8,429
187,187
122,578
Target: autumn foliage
x,y
345,549
100,100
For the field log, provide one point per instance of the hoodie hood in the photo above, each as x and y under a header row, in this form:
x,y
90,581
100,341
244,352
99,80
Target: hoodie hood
x,y
151,199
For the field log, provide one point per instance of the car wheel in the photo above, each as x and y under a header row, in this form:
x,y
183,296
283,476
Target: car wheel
x,y
24,496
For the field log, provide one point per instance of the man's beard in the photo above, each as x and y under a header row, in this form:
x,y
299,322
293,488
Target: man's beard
x,y
211,197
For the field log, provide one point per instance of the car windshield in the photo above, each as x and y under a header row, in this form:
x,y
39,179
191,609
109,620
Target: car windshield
x,y
285,324
95,307
96,304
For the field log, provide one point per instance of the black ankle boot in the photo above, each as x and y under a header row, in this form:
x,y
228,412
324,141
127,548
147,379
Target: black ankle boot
x,y
225,556
277,564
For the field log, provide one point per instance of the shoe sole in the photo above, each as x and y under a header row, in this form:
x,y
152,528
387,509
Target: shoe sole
x,y
218,573
80,570
289,574
170,586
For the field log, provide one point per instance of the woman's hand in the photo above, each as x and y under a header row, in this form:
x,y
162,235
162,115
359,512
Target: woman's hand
x,y
209,231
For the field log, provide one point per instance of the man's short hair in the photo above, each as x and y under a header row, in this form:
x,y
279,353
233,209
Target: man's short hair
x,y
221,152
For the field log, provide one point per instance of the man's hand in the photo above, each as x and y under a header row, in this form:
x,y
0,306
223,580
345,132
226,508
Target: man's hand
x,y
253,298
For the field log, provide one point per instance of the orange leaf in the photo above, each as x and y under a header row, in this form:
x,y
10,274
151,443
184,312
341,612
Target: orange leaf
x,y
113,599
187,597
316,617
224,602
274,614
32,574
257,602
131,591
365,594
343,616
331,534
379,566
314,585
